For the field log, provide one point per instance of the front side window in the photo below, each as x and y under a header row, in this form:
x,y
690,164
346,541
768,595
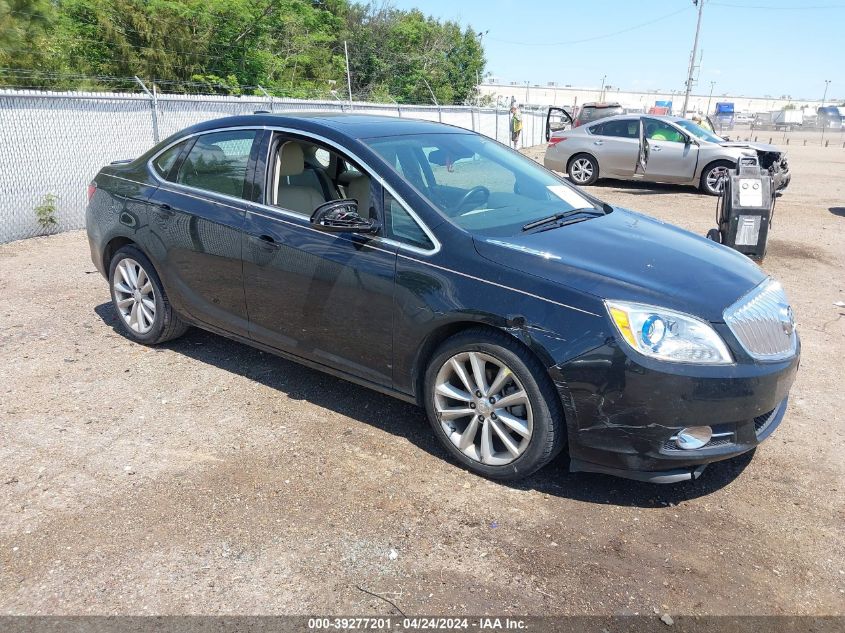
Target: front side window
x,y
479,184
656,130
218,162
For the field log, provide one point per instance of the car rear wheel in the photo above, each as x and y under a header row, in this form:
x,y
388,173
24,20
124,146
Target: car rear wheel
x,y
583,170
711,177
142,307
492,405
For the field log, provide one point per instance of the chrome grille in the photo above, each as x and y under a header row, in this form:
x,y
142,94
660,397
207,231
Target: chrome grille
x,y
763,323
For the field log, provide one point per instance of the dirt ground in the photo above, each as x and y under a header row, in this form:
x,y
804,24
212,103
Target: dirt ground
x,y
207,477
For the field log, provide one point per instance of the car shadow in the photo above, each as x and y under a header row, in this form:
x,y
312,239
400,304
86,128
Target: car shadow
x,y
641,188
409,421
840,211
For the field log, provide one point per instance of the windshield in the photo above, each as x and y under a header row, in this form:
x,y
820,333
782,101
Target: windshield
x,y
479,184
697,130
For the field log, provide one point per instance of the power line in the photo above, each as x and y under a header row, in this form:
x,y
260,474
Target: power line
x,y
597,37
767,7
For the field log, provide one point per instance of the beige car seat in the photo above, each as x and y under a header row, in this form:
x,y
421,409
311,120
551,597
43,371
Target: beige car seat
x,y
290,162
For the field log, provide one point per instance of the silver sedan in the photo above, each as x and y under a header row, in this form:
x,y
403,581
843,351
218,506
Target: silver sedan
x,y
679,151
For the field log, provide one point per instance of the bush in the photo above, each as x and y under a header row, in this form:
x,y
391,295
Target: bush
x,y
45,213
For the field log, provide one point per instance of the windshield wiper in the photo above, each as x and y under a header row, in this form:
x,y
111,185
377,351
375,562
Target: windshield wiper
x,y
557,217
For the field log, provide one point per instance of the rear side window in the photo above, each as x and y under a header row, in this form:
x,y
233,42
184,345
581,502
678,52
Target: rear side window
x,y
218,162
165,161
625,128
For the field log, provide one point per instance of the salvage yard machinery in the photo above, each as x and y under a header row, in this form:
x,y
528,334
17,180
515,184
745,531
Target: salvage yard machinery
x,y
745,209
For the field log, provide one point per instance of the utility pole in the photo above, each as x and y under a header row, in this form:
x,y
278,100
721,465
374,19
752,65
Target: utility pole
x,y
826,84
601,92
700,4
707,112
526,93
348,76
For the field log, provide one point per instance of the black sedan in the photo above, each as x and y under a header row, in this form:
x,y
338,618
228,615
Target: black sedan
x,y
439,266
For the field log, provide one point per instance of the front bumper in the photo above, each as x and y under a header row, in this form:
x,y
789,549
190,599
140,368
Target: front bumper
x,y
622,413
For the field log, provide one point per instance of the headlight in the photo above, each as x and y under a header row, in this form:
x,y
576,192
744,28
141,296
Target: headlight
x,y
668,335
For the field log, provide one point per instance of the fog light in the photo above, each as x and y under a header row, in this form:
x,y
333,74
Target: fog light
x,y
693,437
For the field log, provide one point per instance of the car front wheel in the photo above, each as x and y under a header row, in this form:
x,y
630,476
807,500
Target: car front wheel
x,y
142,307
492,405
712,182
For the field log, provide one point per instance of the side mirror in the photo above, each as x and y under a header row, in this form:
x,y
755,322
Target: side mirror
x,y
341,216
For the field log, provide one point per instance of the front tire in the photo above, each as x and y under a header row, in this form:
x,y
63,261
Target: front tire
x,y
492,405
583,170
711,178
142,307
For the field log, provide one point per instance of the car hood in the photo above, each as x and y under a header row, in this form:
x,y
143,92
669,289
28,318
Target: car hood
x,y
628,256
759,147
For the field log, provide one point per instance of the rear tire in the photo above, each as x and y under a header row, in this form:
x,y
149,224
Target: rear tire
x,y
505,443
583,170
709,183
142,307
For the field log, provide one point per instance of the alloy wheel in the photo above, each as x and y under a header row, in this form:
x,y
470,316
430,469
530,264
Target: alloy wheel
x,y
134,295
715,178
483,408
581,170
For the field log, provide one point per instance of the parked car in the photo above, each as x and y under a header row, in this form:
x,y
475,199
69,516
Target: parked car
x,y
679,152
590,112
443,268
829,117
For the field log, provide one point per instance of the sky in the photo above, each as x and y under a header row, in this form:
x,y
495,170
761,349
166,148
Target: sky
x,y
749,48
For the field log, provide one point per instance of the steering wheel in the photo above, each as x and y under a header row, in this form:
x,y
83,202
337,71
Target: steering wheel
x,y
477,195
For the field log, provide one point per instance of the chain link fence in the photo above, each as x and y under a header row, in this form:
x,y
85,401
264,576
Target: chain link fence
x,y
53,143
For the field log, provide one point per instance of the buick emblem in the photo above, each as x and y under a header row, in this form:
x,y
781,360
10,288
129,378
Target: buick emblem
x,y
787,320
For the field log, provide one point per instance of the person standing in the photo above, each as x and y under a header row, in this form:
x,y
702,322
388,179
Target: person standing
x,y
516,125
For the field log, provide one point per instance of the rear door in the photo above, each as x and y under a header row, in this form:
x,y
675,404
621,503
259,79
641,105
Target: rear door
x,y
557,120
672,157
197,215
616,144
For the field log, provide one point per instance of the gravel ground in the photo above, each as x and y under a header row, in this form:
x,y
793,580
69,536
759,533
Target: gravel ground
x,y
204,476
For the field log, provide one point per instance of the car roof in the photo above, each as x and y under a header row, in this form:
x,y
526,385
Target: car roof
x,y
349,124
639,115
609,104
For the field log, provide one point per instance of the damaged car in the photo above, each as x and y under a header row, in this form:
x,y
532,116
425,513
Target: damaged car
x,y
441,267
680,152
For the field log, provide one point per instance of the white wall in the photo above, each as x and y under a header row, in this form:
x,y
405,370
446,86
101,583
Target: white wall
x,y
560,95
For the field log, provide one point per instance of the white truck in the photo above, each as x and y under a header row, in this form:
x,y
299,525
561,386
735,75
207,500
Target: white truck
x,y
778,120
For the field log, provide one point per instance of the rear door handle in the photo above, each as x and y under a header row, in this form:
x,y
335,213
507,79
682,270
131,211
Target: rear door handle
x,y
598,142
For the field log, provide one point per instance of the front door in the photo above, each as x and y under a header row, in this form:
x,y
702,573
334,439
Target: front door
x,y
322,296
557,120
197,216
672,156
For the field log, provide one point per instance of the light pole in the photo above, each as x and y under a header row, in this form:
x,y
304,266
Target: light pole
x,y
601,93
707,113
824,98
700,4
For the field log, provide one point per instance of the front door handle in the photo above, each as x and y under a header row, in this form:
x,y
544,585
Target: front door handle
x,y
267,241
165,210
655,148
